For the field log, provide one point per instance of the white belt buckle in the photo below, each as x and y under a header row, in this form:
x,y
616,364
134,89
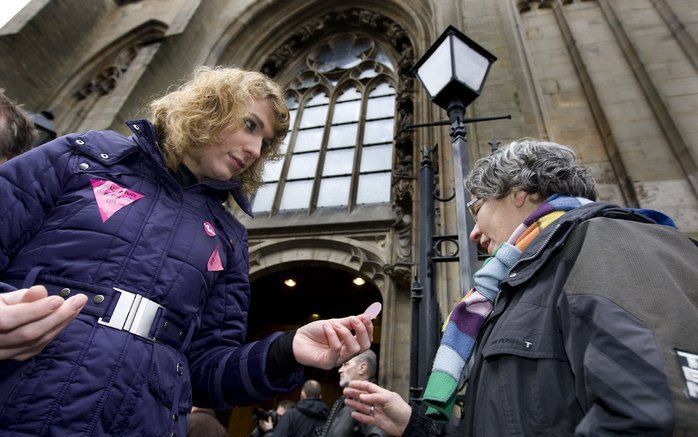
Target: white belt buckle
x,y
133,313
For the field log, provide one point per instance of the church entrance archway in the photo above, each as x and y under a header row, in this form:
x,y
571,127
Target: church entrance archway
x,y
316,292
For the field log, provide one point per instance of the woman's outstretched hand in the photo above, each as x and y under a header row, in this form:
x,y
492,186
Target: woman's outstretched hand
x,y
326,344
30,319
377,406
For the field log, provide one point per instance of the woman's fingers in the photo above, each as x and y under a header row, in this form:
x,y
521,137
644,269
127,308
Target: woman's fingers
x,y
375,405
353,393
369,326
26,352
359,406
14,316
363,418
335,346
350,347
15,347
24,295
333,340
365,386
30,333
35,292
357,342
368,393
361,333
345,321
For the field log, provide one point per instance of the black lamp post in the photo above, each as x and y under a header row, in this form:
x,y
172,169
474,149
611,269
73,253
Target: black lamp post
x,y
453,71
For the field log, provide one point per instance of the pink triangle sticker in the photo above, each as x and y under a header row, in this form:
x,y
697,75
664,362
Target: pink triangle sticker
x,y
111,197
214,262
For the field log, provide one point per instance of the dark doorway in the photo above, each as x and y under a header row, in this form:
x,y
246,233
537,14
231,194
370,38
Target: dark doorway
x,y
318,293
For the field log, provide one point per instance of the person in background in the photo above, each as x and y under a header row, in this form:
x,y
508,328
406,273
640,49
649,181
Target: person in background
x,y
309,414
584,316
134,234
266,420
17,131
340,422
202,422
284,407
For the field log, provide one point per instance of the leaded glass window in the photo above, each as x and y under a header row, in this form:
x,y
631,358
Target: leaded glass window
x,y
339,149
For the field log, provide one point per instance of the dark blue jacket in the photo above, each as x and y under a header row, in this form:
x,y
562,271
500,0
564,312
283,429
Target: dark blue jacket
x,y
97,380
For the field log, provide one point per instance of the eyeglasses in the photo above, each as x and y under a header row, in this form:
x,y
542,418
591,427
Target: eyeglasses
x,y
474,207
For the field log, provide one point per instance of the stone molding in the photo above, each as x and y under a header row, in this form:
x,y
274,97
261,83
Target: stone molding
x,y
528,5
347,253
99,75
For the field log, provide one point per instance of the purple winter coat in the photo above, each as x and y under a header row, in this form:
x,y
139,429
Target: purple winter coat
x,y
72,217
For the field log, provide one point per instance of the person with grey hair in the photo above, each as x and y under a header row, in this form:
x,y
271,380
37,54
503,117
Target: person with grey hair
x,y
17,131
582,320
341,422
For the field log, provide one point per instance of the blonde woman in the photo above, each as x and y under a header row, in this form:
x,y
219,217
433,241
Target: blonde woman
x,y
125,279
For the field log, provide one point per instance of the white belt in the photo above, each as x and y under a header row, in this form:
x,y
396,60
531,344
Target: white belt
x,y
133,313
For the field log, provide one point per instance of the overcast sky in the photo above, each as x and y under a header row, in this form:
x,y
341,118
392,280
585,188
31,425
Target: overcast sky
x,y
9,8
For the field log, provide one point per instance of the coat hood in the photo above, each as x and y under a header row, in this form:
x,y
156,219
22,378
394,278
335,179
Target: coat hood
x,y
313,407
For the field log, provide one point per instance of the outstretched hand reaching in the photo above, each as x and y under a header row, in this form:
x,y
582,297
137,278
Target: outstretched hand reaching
x,y
326,344
377,406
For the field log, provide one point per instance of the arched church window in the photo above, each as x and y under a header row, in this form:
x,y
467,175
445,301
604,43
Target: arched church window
x,y
339,149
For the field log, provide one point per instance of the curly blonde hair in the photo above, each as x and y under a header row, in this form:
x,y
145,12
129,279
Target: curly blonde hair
x,y
195,114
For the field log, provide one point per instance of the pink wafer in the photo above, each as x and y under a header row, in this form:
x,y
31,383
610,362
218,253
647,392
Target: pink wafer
x,y
373,310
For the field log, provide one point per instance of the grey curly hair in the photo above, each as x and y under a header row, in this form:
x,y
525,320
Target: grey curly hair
x,y
535,166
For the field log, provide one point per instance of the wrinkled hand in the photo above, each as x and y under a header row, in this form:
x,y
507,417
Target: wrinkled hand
x,y
390,412
29,320
326,344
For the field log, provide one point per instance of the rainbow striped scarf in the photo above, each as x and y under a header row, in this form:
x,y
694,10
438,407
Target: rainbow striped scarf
x,y
463,324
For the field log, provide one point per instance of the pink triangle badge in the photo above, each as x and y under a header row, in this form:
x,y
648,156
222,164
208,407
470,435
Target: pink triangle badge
x,y
214,261
111,197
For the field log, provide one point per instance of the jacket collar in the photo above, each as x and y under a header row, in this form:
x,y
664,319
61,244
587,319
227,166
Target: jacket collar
x,y
553,237
234,188
146,136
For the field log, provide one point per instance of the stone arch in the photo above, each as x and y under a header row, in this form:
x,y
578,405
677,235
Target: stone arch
x,y
339,252
366,258
265,27
99,75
